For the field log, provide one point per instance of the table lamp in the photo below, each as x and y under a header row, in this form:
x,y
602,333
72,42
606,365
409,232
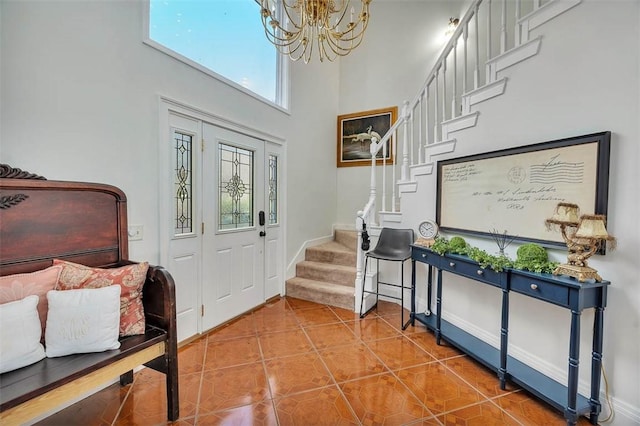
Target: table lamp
x,y
583,235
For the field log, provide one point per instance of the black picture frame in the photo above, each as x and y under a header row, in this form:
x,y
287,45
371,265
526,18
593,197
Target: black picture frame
x,y
520,187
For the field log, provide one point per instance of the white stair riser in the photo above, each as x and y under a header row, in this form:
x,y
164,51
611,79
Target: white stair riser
x,y
512,57
459,123
544,14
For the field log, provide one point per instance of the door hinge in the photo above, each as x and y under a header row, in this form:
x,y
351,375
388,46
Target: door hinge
x,y
202,145
202,230
201,310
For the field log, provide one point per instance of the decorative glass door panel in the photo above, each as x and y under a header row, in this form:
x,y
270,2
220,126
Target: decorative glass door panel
x,y
183,184
236,187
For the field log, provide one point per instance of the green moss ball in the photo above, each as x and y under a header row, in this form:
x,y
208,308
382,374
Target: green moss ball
x,y
532,252
457,245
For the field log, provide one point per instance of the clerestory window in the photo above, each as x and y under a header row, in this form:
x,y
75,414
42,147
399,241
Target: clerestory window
x,y
223,38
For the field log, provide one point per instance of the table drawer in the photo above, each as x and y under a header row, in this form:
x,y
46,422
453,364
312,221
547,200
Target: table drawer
x,y
540,289
473,271
425,256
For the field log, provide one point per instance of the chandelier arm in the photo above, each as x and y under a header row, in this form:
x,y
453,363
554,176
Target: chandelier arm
x,y
361,26
274,38
286,7
295,49
342,12
343,51
279,42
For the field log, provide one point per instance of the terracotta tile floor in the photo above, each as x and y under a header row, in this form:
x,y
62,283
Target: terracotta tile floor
x,y
294,362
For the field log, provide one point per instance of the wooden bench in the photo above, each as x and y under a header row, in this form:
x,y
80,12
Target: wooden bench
x,y
42,220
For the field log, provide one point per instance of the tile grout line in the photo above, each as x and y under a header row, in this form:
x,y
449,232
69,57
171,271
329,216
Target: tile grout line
x,y
389,370
115,418
266,375
442,363
475,388
200,384
333,379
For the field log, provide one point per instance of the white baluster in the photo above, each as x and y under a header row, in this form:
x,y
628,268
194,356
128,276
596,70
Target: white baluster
x,y
488,77
426,122
394,147
444,90
436,134
383,201
404,172
517,29
503,30
420,124
454,86
372,184
411,137
465,37
476,73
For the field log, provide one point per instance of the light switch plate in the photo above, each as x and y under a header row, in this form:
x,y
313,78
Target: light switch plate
x,y
135,232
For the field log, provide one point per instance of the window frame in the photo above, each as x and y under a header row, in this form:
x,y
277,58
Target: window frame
x,y
283,81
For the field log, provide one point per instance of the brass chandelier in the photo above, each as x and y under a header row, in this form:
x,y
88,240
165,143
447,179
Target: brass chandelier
x,y
300,27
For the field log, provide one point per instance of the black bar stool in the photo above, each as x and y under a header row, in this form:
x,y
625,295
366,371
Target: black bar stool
x,y
394,245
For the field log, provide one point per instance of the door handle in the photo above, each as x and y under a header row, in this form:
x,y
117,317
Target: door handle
x,y
261,222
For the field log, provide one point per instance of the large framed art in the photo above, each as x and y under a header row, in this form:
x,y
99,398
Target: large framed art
x,y
355,132
513,191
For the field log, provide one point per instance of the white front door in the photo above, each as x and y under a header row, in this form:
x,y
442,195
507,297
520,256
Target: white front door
x,y
233,245
215,183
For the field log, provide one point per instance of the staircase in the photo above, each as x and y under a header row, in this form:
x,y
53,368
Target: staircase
x,y
328,273
493,36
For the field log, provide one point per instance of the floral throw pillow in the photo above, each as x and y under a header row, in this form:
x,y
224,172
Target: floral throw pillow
x,y
130,278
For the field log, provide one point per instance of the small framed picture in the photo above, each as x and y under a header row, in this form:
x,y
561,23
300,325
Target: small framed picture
x,y
355,132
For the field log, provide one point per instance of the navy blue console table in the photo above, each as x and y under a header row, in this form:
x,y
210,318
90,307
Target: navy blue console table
x,y
562,291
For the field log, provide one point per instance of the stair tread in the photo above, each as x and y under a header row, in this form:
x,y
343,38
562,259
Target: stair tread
x,y
327,266
338,288
333,246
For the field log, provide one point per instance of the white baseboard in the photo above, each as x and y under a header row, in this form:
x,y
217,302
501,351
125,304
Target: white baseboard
x,y
299,257
625,413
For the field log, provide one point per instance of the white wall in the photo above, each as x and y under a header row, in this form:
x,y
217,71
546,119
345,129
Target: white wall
x,y
402,42
585,79
80,102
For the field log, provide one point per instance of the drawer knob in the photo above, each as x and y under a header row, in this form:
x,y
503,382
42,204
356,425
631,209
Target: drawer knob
x,y
534,286
424,255
452,264
479,272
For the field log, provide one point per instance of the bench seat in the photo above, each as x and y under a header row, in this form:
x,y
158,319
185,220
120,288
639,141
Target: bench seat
x,y
51,374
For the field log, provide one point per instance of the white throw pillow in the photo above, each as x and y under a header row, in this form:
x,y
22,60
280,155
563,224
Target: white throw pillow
x,y
20,333
82,321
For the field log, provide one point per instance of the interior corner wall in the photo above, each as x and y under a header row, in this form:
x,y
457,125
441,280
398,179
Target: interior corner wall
x,y
402,42
79,101
585,79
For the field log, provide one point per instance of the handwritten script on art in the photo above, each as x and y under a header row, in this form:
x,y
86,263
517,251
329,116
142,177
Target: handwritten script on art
x,y
516,192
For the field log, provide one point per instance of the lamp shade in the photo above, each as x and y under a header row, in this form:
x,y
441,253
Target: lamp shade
x,y
566,213
592,226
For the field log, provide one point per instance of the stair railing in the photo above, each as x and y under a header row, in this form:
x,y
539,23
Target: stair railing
x,y
443,103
